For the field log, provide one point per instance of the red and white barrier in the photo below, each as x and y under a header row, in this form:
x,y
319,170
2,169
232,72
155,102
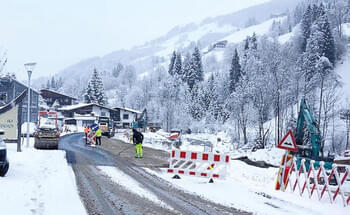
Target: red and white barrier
x,y
318,180
91,138
200,164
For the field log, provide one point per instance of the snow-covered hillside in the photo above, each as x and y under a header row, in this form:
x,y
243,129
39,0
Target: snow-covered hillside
x,y
182,38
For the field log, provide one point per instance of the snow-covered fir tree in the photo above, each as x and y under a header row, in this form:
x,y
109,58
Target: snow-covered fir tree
x,y
235,71
325,38
306,23
95,91
178,66
186,65
195,73
172,63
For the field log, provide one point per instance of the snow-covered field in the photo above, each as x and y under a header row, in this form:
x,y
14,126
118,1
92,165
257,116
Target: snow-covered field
x,y
39,182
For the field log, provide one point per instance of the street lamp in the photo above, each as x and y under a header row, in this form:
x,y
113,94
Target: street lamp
x,y
29,67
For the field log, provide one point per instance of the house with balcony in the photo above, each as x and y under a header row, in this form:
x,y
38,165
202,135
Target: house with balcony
x,y
10,88
54,100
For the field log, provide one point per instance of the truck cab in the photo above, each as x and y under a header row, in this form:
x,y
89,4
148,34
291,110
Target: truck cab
x,y
106,125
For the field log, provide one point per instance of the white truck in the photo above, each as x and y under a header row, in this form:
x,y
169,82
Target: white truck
x,y
47,133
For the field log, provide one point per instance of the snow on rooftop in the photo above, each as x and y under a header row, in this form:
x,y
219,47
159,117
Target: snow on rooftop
x,y
129,109
72,107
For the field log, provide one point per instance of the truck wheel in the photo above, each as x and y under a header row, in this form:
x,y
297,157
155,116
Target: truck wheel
x,y
4,170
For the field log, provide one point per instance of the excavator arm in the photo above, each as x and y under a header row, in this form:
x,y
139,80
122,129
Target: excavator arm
x,y
306,118
141,121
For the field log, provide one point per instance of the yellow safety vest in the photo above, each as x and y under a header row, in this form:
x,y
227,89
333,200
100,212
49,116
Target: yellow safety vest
x,y
98,133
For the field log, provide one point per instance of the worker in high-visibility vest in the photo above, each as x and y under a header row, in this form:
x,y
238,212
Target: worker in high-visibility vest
x,y
137,138
98,136
86,131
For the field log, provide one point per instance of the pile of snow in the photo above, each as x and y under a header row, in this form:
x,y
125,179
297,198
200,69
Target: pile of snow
x,y
270,155
131,184
39,182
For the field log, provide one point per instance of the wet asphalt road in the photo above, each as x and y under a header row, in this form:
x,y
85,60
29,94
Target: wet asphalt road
x,y
101,195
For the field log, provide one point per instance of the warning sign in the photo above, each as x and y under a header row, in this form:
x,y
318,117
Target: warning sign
x,y
288,142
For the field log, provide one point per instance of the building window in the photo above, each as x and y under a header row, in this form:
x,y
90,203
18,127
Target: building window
x,y
125,116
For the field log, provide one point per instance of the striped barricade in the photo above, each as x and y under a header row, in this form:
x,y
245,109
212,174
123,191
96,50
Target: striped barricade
x,y
319,180
200,164
91,138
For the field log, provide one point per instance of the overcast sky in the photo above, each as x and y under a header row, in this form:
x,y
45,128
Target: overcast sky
x,y
58,33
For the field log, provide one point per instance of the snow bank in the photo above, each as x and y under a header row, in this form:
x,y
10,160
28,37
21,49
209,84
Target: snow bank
x,y
130,184
252,189
271,155
39,182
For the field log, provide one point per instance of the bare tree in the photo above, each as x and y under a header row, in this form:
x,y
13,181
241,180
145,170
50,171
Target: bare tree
x,y
345,115
3,61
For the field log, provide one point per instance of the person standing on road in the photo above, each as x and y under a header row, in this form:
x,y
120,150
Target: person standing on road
x,y
98,136
86,131
137,139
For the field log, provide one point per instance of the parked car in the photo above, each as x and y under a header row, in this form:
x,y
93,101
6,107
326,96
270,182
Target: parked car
x,y
32,128
4,164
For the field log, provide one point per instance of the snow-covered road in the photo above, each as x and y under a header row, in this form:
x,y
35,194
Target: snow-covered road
x,y
111,181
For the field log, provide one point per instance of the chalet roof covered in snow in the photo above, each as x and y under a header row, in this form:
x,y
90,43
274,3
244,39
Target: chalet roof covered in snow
x,y
77,106
52,92
128,109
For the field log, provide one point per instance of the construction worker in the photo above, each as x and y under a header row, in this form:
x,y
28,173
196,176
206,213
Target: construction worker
x,y
98,136
86,131
137,139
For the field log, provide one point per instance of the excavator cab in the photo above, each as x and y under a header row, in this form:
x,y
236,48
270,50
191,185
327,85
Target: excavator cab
x,y
309,140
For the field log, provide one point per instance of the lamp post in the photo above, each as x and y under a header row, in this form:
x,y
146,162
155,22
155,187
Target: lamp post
x,y
29,67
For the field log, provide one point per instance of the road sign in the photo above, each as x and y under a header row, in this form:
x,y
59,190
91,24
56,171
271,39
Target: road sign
x,y
94,127
288,142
